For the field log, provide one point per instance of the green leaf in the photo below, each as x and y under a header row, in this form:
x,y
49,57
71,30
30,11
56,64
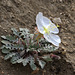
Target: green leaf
x,y
25,61
24,30
13,47
6,46
5,42
41,63
4,37
15,32
4,50
47,48
47,58
20,60
32,63
14,59
9,56
33,66
9,38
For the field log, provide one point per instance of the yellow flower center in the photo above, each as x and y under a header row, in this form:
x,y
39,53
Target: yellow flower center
x,y
46,30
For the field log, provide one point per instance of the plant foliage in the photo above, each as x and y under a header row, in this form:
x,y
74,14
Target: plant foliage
x,y
22,47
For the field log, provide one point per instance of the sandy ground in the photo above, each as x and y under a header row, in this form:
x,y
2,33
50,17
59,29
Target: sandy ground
x,y
22,13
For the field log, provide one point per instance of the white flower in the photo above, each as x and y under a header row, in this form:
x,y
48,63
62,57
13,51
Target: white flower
x,y
48,29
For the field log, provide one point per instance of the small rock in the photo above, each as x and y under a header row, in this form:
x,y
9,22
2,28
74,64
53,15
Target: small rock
x,y
72,29
64,37
18,1
61,13
65,43
64,52
57,20
0,26
5,30
69,37
60,0
73,48
1,57
2,72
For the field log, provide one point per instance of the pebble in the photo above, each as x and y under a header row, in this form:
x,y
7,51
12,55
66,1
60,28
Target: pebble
x,y
64,37
60,0
64,52
2,72
1,57
73,48
65,43
69,37
5,30
0,26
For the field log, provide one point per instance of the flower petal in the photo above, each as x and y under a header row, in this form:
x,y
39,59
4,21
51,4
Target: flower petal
x,y
39,19
54,39
46,22
43,21
53,28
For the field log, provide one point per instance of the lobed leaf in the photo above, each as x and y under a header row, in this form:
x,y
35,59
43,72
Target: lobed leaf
x,y
14,59
32,63
5,42
41,63
9,38
20,60
13,47
47,58
25,61
9,56
15,32
33,66
6,51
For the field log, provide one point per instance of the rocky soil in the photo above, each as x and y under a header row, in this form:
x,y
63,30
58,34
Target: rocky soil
x,y
22,13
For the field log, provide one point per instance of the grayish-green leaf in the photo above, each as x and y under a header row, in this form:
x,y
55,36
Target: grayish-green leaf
x,y
15,32
20,60
14,59
13,47
24,30
9,38
41,63
9,56
47,58
4,37
33,66
32,63
4,50
47,48
25,61
5,42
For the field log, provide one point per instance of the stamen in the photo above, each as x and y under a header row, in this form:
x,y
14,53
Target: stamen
x,y
46,30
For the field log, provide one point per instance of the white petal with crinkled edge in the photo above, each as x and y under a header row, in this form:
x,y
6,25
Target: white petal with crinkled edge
x,y
54,39
46,22
39,19
53,28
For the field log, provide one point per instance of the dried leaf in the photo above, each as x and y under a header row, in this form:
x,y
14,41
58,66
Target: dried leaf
x,y
39,35
35,71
